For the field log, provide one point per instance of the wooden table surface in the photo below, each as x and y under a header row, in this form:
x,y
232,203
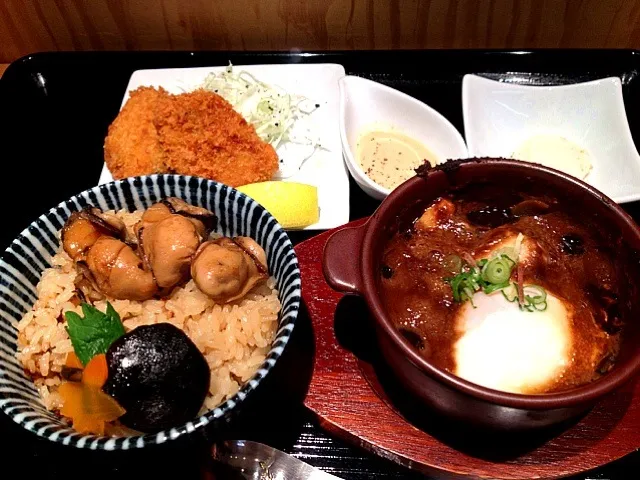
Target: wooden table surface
x,y
3,67
135,25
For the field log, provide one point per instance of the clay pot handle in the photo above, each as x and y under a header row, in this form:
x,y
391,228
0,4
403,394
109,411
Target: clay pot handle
x,y
341,260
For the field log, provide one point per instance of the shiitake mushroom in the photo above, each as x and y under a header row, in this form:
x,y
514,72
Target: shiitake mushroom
x,y
158,375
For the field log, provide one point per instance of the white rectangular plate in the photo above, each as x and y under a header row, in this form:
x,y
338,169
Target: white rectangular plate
x,y
319,83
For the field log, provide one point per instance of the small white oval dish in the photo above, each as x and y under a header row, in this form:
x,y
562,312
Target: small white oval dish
x,y
499,117
365,104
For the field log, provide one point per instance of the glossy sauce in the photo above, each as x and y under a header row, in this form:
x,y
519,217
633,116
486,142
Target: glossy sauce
x,y
569,259
389,157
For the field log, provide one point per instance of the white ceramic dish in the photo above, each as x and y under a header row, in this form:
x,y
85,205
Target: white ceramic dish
x,y
365,103
498,117
317,82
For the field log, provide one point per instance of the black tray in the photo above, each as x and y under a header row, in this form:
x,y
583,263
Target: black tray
x,y
56,108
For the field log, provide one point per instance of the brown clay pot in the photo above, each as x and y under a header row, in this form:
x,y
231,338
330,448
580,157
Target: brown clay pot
x,y
351,265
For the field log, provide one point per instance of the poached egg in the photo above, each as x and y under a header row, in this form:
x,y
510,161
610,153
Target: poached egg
x,y
512,350
505,348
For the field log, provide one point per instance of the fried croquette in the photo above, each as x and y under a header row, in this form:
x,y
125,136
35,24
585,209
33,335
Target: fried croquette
x,y
132,147
202,135
197,133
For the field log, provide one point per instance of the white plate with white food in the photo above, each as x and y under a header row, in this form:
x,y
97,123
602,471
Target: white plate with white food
x,y
308,144
580,129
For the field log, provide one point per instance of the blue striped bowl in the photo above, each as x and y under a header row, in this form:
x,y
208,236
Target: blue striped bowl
x,y
23,262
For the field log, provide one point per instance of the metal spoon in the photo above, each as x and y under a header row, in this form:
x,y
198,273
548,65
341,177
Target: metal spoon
x,y
260,462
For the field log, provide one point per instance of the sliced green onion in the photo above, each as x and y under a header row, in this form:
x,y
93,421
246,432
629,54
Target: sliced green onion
x,y
510,293
468,292
540,307
530,307
469,296
535,294
535,298
495,287
497,271
490,276
455,284
509,252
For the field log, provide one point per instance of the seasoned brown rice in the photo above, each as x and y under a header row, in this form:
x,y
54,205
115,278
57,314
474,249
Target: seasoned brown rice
x,y
234,338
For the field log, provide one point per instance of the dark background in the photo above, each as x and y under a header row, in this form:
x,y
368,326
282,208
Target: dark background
x,y
55,110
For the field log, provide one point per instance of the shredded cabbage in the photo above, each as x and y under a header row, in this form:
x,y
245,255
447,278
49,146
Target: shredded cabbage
x,y
271,110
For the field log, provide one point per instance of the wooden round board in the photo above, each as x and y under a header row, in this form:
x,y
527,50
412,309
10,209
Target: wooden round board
x,y
356,399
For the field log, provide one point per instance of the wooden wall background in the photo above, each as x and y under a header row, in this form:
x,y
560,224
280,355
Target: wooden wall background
x,y
27,26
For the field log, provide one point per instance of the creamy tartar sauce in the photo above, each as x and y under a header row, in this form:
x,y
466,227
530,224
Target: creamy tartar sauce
x,y
389,158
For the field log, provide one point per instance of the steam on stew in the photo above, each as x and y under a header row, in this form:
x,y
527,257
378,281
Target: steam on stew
x,y
507,291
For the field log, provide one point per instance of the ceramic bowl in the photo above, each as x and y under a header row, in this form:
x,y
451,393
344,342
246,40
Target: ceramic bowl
x,y
364,103
30,253
499,116
438,389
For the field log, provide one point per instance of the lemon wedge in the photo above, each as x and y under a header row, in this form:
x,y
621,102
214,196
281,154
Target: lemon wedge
x,y
295,205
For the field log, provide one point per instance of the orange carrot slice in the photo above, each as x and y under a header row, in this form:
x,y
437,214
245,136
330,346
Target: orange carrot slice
x,y
96,372
73,361
88,407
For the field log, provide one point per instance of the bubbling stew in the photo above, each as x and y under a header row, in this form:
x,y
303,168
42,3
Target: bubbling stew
x,y
509,291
